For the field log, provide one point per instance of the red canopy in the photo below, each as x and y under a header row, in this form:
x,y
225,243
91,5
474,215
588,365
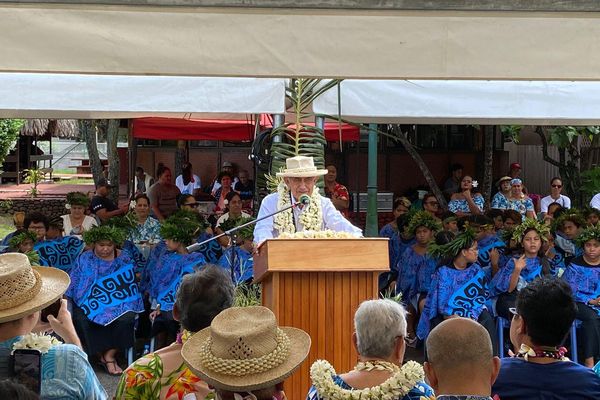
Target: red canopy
x,y
225,130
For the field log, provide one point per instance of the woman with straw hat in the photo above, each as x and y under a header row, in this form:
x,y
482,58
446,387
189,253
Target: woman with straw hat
x,y
24,291
105,295
244,355
299,180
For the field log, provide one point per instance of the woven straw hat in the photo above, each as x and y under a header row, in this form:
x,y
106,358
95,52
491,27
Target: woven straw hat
x,y
301,167
25,289
245,350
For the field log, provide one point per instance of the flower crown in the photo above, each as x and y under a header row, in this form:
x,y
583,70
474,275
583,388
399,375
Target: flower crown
x,y
423,218
244,233
16,240
183,227
77,199
125,222
105,232
530,223
453,248
572,215
589,233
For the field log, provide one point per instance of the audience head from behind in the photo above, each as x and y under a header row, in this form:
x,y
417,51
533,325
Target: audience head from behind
x,y
12,390
224,354
37,223
460,359
511,219
544,312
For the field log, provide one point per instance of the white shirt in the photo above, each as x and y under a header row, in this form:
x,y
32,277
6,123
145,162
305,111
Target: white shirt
x,y
564,201
225,217
332,219
595,203
87,224
190,187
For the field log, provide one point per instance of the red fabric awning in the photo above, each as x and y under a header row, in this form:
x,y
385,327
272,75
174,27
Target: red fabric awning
x,y
158,128
188,129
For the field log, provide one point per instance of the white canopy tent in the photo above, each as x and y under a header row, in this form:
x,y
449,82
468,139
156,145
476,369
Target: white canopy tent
x,y
465,102
77,96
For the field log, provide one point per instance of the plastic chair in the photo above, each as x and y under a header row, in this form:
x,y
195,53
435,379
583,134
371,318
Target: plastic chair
x,y
501,324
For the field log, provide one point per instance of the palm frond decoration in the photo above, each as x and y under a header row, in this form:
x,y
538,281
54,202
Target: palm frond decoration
x,y
299,138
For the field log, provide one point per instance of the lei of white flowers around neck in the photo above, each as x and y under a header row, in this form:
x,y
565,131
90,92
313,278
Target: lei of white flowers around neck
x,y
34,341
326,234
311,218
396,387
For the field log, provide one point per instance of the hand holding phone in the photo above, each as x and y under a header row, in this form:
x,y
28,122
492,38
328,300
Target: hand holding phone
x,y
62,324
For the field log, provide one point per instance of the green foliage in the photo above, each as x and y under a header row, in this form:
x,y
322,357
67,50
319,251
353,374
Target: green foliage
x,y
589,233
9,132
511,132
453,248
423,218
244,233
105,232
564,136
590,181
183,227
247,295
78,199
16,240
33,176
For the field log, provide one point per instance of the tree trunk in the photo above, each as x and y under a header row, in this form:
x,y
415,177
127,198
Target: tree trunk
x,y
435,189
180,157
488,166
87,130
112,133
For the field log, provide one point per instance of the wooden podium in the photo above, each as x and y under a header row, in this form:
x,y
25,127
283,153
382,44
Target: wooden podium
x,y
316,285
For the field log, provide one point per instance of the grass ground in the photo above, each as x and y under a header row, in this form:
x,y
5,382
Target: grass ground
x,y
6,226
76,181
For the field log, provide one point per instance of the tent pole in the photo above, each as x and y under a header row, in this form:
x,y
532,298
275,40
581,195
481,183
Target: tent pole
x,y
278,120
372,225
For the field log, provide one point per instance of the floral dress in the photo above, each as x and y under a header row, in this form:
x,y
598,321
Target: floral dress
x,y
521,206
461,205
500,202
421,391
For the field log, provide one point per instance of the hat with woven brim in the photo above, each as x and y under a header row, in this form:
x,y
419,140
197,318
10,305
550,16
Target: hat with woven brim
x,y
245,350
25,289
301,167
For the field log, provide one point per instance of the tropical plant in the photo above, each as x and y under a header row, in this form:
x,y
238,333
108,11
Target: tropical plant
x,y
590,180
9,132
33,176
246,295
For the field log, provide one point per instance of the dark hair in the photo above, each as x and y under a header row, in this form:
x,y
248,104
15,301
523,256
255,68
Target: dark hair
x,y
229,196
223,174
402,222
442,238
494,213
202,296
427,196
559,209
36,217
183,198
12,390
186,173
455,167
548,310
401,201
139,169
162,168
142,196
447,214
555,178
512,214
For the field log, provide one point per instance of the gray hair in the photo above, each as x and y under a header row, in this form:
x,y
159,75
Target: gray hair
x,y
202,296
378,323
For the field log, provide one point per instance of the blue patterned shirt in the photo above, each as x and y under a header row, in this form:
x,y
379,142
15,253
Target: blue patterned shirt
x,y
66,374
420,391
461,205
150,230
521,206
500,201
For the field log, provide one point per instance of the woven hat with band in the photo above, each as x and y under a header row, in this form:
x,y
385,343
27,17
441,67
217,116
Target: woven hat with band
x,y
245,350
301,167
25,289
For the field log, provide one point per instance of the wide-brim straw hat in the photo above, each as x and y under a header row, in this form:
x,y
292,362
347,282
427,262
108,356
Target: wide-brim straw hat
x,y
301,167
504,178
25,289
245,350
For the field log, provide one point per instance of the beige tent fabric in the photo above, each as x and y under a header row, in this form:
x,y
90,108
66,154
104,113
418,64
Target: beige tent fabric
x,y
287,43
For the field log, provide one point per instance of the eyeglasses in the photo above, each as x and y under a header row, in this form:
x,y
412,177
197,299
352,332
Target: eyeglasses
x,y
557,186
513,311
193,205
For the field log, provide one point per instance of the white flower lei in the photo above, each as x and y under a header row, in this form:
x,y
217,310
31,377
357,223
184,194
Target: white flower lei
x,y
326,234
67,206
396,387
34,341
311,218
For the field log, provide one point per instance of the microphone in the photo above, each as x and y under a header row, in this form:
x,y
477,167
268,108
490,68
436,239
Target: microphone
x,y
304,200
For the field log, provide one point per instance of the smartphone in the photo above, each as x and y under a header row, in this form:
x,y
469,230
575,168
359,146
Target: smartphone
x,y
52,309
27,368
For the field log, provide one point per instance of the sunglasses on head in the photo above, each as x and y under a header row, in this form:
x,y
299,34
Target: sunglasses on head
x,y
557,186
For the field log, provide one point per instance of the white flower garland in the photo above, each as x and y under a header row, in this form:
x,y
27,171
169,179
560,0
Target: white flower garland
x,y
311,218
326,234
396,387
34,341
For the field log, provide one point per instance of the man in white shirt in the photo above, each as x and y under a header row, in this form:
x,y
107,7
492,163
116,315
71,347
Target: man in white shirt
x,y
555,196
300,177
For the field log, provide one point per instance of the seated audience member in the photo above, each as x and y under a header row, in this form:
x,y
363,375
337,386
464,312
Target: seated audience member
x,y
66,372
200,298
595,201
554,209
220,195
555,196
22,241
511,219
227,167
459,286
37,223
105,317
163,194
233,212
18,222
452,184
592,216
496,216
142,181
542,318
380,329
583,275
568,225
237,260
102,206
465,201
450,222
188,182
431,205
10,389
76,222
519,201
335,191
391,231
255,330
245,187
461,375
55,229
500,199
147,228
